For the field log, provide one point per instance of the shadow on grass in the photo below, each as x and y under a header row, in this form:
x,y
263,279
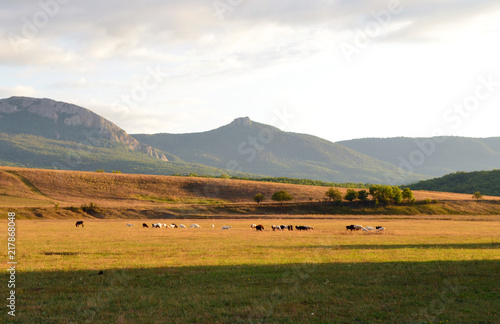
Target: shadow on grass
x,y
402,292
459,246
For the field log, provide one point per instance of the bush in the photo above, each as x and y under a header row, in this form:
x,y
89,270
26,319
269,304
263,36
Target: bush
x,y
281,196
258,198
334,195
90,209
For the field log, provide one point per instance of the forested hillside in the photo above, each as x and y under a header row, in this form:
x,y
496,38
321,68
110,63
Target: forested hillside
x,y
486,182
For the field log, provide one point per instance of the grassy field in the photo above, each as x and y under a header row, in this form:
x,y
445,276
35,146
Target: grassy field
x,y
420,270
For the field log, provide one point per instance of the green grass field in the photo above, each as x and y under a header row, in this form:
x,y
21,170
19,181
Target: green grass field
x,y
420,270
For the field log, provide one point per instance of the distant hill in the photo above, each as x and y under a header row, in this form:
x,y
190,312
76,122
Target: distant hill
x,y
66,122
43,133
435,156
252,147
486,182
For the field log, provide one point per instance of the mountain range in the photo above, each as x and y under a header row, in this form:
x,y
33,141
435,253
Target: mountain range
x,y
43,133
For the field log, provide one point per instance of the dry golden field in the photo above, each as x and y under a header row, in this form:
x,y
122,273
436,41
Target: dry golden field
x,y
21,187
419,270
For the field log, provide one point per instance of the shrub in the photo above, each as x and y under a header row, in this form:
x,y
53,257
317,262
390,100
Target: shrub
x,y
333,194
258,198
281,196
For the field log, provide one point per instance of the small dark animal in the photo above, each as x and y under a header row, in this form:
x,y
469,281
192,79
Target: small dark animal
x,y
301,228
290,227
282,227
350,227
100,273
259,227
145,225
379,227
79,223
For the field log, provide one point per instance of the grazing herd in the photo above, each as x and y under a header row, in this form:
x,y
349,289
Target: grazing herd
x,y
258,227
364,229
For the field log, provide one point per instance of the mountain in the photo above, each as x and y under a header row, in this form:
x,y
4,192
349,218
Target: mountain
x,y
43,133
435,156
251,147
486,182
62,121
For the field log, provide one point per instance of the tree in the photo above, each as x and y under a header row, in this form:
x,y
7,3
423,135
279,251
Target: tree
x,y
258,198
386,194
351,195
477,195
281,196
334,195
408,195
363,195
397,196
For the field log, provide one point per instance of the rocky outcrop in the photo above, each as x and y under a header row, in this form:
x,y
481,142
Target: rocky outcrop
x,y
95,129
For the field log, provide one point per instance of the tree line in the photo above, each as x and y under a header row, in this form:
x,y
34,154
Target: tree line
x,y
381,194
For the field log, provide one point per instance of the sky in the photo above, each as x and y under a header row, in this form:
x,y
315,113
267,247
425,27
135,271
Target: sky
x,y
337,69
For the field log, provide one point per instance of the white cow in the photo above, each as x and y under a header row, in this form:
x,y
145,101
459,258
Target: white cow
x,y
182,226
195,226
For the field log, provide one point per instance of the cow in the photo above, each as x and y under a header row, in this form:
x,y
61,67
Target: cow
x,y
195,226
290,227
78,223
259,227
144,225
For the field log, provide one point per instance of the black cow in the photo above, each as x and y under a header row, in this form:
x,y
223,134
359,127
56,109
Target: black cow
x,y
290,227
259,227
144,225
79,223
350,227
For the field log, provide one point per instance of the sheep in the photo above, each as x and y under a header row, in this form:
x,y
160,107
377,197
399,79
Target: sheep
x,y
283,227
226,227
130,225
173,226
182,226
380,228
195,226
370,228
156,225
276,227
144,225
290,227
259,227
253,226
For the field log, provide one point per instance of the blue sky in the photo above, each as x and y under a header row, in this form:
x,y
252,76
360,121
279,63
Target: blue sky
x,y
331,68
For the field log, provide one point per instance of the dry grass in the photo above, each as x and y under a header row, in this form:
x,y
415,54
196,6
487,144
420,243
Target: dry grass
x,y
67,188
420,270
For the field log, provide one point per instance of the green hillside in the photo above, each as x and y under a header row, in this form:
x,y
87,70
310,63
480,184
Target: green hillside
x,y
486,182
37,152
257,148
